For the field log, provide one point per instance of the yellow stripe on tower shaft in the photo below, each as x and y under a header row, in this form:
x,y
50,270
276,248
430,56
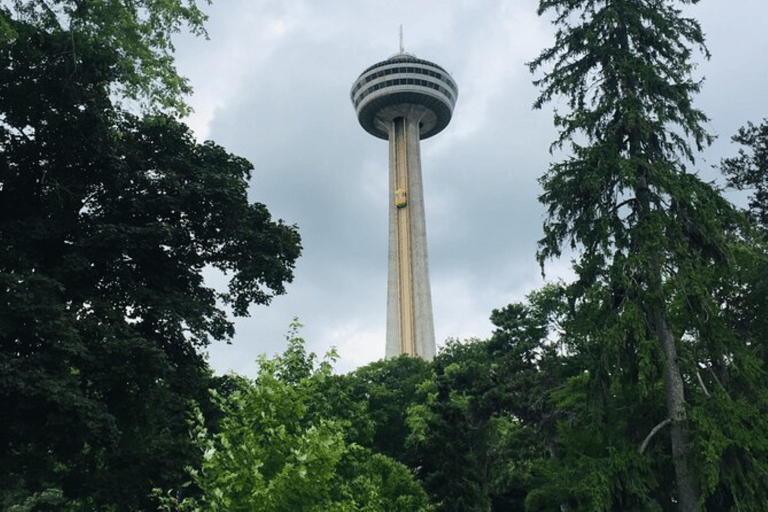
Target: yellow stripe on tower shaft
x,y
406,318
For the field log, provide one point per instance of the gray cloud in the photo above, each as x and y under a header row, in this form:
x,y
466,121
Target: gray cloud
x,y
273,85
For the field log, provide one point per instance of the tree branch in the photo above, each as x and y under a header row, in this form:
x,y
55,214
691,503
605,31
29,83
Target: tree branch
x,y
701,383
653,433
714,375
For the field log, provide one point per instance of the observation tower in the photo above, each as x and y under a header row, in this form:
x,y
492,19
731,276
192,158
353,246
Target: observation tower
x,y
403,100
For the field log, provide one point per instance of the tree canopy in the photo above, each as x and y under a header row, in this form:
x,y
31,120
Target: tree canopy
x,y
279,447
107,224
139,33
749,170
656,251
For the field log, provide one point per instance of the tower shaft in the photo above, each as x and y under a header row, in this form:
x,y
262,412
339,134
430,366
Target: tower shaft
x,y
403,100
410,327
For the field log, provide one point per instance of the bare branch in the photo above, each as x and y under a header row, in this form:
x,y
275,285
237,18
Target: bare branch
x,y
701,383
653,433
714,375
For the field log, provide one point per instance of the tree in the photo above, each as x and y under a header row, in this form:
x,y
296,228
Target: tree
x,y
138,32
459,436
530,365
749,170
278,450
744,295
386,389
107,222
652,237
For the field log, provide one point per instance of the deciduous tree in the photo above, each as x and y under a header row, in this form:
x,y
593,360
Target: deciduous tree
x,y
749,170
459,435
139,33
107,223
278,449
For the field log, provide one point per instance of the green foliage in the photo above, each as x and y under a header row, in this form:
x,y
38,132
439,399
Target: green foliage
x,y
657,252
733,405
276,450
385,390
460,443
746,291
47,499
139,34
374,482
625,69
107,221
749,170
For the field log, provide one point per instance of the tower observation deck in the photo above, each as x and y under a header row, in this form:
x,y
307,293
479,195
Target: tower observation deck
x,y
403,100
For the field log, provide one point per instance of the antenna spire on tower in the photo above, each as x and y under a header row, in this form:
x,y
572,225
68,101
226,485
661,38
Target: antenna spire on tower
x,y
401,40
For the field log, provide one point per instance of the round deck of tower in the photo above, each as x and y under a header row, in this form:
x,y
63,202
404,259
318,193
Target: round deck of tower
x,y
403,84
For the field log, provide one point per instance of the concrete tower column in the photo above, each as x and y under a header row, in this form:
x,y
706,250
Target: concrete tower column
x,y
410,326
403,100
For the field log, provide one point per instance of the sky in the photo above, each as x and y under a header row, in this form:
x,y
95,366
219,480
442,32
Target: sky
x,y
272,85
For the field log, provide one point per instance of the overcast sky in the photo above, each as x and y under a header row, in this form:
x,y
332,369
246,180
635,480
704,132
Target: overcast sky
x,y
272,85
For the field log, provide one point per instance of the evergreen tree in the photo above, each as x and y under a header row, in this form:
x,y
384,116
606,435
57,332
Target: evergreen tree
x,y
652,240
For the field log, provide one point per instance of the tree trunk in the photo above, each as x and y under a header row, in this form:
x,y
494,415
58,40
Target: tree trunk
x,y
685,473
674,391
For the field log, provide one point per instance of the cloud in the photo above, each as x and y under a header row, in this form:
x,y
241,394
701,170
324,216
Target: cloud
x,y
273,84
